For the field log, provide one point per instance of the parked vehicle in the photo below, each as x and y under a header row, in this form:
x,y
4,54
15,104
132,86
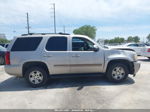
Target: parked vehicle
x,y
2,55
6,45
146,52
147,44
138,48
141,49
2,45
38,56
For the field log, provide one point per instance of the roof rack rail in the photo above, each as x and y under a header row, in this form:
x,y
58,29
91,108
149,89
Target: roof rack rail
x,y
45,34
63,33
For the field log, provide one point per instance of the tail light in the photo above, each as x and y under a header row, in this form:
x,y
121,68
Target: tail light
x,y
7,58
148,50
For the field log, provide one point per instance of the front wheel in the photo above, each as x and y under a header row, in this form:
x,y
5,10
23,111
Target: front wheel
x,y
36,76
148,58
117,72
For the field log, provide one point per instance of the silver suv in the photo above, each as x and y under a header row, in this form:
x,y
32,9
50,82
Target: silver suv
x,y
38,56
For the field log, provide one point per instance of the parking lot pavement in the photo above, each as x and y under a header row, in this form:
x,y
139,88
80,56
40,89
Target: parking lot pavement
x,y
1,68
78,93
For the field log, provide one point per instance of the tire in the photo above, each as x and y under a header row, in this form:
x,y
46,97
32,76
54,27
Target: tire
x,y
117,72
36,76
2,61
148,58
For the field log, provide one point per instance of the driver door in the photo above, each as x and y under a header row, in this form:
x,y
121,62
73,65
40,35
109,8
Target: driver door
x,y
82,57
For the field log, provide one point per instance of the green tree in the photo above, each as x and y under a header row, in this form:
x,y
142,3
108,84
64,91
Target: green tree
x,y
136,39
119,40
86,30
3,41
106,41
115,40
130,39
133,39
148,37
111,41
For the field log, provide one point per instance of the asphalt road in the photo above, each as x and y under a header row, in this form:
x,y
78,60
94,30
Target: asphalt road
x,y
78,93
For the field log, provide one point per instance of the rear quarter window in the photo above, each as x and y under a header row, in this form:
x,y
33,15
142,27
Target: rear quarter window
x,y
26,44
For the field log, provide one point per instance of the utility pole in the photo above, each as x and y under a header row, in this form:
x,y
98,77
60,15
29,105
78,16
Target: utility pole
x,y
28,26
54,16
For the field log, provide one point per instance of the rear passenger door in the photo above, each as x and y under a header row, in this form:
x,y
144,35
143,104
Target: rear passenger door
x,y
56,55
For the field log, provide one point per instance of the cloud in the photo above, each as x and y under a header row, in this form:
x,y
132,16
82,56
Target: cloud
x,y
106,32
14,11
115,16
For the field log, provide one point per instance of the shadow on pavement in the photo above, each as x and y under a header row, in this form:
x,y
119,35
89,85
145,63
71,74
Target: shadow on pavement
x,y
19,84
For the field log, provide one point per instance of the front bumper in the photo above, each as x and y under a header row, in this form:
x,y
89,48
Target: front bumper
x,y
136,67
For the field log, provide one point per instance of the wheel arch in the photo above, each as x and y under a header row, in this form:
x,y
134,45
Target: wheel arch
x,y
30,64
122,61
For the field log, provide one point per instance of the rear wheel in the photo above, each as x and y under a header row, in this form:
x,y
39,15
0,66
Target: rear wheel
x,y
117,72
36,76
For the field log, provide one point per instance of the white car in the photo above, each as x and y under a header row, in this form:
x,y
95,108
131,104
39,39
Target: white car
x,y
138,48
146,52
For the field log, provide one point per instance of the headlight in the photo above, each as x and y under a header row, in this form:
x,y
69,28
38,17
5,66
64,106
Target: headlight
x,y
135,57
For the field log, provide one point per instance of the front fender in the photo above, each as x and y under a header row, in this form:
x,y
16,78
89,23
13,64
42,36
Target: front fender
x,y
112,55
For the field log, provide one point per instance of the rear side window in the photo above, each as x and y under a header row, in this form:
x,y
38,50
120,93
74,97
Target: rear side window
x,y
26,44
57,44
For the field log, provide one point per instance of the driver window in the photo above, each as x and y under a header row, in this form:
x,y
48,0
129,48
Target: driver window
x,y
82,44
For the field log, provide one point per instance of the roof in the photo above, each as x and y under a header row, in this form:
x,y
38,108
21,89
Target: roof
x,y
49,34
45,34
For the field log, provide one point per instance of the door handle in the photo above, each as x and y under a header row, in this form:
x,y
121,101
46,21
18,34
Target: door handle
x,y
76,56
48,56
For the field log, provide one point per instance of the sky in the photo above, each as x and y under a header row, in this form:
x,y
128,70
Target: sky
x,y
112,18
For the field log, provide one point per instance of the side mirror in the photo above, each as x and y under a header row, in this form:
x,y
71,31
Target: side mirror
x,y
95,48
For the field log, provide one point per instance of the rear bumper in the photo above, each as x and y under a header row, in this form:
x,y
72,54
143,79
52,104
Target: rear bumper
x,y
136,67
13,70
146,54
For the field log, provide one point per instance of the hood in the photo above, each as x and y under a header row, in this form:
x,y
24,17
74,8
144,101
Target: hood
x,y
120,54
